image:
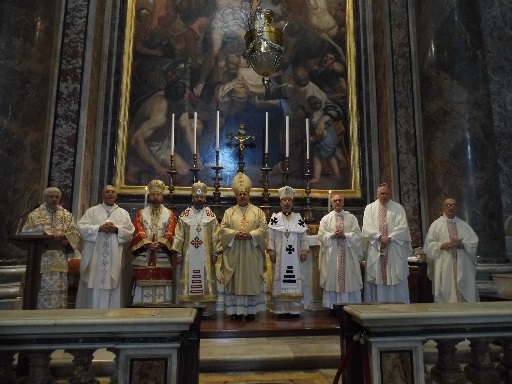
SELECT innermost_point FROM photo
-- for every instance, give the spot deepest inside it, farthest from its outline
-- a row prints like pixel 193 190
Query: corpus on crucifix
pixel 241 138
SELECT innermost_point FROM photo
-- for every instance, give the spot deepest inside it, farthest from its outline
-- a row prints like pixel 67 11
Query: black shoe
pixel 332 313
pixel 293 315
pixel 236 317
pixel 250 317
pixel 282 315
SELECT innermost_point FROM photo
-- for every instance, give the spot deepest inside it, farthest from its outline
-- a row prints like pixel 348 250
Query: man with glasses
pixel 451 246
pixel 340 241
pixel 387 233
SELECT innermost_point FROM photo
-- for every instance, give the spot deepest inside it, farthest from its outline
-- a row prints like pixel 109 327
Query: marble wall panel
pixel 459 144
pixel 497 31
pixel 67 115
pixel 29 34
pixel 404 117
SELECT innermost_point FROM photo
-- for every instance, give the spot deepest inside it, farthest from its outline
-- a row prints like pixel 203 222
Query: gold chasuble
pixel 243 261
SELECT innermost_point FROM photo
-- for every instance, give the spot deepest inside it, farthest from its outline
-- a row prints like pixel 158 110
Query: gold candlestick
pixel 216 207
pixel 194 168
pixel 265 207
pixel 172 175
pixel 308 210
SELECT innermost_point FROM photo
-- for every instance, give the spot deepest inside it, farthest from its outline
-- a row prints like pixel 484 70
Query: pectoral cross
pixel 241 138
pixel 244 222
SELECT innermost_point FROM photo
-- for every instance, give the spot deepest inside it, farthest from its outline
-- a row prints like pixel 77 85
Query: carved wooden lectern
pixel 35 245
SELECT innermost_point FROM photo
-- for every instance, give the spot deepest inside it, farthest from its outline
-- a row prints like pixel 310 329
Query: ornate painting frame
pixel 136 110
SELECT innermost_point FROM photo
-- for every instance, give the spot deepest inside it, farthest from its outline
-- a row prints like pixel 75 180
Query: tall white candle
pixel 146 198
pixel 217 145
pixel 329 202
pixel 266 132
pixel 307 139
pixel 195 133
pixel 172 134
pixel 287 138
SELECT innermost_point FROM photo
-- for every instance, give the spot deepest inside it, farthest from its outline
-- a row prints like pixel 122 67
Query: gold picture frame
pixel 349 183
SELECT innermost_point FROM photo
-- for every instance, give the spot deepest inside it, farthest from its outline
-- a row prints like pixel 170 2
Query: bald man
pixel 451 246
pixel 106 229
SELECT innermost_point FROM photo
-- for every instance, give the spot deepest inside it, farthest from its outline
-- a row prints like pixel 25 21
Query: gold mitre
pixel 241 183
pixel 156 186
pixel 199 189
pixel 286 191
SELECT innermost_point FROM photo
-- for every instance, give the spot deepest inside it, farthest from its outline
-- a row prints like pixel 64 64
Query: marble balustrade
pixel 393 336
pixel 145 341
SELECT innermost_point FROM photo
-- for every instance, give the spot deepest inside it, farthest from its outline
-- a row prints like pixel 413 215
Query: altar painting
pixel 185 57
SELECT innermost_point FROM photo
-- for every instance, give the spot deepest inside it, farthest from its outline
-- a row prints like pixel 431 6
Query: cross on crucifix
pixel 241 138
pixel 290 249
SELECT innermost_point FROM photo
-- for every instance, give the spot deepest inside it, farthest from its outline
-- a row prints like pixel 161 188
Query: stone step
pixel 235 354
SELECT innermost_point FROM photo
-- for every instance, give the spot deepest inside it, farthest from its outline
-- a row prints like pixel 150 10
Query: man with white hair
pixel 197 246
pixel 340 243
pixel 151 246
pixel 244 242
pixel 106 229
pixel 288 247
pixel 56 221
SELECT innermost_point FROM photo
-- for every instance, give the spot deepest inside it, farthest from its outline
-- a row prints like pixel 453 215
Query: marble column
pixel 459 145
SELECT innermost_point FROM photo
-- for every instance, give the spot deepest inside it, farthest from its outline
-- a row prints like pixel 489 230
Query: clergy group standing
pixel 174 258
pixel 106 229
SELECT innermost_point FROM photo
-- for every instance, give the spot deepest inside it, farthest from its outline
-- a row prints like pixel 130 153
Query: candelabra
pixel 216 207
pixel 194 168
pixel 308 210
pixel 265 207
pixel 172 176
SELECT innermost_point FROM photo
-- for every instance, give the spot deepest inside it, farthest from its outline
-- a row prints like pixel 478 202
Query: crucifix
pixel 241 138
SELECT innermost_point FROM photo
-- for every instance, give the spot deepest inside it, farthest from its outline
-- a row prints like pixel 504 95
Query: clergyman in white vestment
pixel 106 229
pixel 386 232
pixel 450 247
pixel 340 255
pixel 288 246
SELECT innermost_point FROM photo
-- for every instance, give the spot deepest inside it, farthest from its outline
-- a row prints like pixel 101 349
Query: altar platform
pixel 311 323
